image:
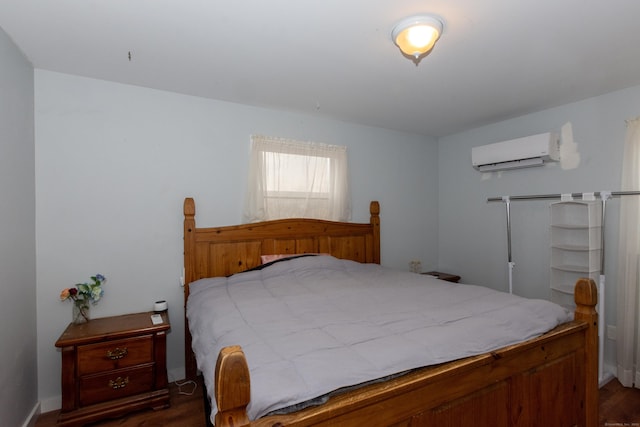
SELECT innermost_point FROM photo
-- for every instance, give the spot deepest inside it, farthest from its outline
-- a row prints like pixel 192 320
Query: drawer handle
pixel 119 383
pixel 118 353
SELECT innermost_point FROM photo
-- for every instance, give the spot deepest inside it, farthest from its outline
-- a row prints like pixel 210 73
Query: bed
pixel 549 380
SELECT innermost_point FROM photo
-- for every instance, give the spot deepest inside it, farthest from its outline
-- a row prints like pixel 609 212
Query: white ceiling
pixel 496 59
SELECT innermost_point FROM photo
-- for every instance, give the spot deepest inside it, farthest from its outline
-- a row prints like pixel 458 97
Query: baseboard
pixel 51 404
pixel 32 418
pixel 607 375
pixel 176 374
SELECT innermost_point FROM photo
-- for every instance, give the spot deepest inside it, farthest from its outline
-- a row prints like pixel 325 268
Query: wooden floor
pixel 619 406
pixel 186 410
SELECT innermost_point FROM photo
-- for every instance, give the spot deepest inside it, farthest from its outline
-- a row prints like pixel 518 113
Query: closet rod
pixel 604 195
pixel 559 196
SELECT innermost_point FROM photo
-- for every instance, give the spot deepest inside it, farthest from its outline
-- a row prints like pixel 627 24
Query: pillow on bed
pixel 270 258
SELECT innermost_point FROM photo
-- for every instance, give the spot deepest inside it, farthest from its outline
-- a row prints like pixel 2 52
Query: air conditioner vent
pixel 517 153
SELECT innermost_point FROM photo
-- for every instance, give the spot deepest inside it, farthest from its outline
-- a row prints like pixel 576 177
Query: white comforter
pixel 311 325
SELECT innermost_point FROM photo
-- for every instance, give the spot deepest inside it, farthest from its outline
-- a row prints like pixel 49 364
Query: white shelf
pixel 576 246
pixel 576 253
pixel 576 214
pixel 588 237
pixel 571 226
pixel 576 268
pixel 585 260
pixel 565 280
pixel 568 247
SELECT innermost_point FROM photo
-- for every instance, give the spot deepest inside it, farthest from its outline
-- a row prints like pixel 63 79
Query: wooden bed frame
pixel 551 380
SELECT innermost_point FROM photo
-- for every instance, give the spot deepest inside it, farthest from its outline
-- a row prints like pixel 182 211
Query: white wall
pixel 18 380
pixel 473 238
pixel 114 163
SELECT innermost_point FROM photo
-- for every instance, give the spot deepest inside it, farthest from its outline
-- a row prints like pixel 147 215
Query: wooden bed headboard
pixel 222 251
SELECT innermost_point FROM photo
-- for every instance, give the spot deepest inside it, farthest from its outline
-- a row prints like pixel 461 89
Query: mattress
pixel 309 326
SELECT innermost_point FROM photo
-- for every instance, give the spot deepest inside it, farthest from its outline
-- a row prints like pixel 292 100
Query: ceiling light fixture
pixel 416 35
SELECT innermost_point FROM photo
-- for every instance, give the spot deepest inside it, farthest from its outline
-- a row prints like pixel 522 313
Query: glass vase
pixel 81 312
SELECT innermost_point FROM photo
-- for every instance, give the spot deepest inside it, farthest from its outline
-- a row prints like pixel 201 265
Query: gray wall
pixel 114 163
pixel 472 232
pixel 18 380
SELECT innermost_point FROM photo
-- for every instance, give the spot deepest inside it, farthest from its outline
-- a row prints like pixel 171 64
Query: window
pixel 294 179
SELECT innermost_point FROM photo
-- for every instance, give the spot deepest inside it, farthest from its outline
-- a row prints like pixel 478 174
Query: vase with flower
pixel 83 296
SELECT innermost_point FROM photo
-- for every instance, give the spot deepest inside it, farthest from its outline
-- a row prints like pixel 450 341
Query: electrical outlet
pixel 611 332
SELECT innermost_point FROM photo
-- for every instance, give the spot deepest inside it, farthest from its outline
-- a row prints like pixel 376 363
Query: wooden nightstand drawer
pixel 115 384
pixel 115 354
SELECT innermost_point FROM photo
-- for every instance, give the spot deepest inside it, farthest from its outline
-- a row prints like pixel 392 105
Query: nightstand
pixel 111 366
pixel 444 276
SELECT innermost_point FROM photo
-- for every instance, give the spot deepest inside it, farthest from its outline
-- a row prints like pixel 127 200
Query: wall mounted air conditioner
pixel 524 152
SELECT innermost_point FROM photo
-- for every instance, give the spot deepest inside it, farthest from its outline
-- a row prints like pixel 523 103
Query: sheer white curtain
pixel 628 290
pixel 295 179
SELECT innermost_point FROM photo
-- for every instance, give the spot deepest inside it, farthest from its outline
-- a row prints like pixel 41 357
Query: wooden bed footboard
pixel 548 381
